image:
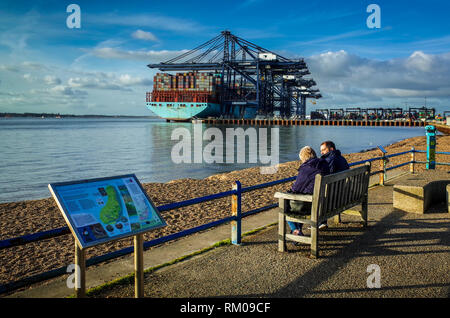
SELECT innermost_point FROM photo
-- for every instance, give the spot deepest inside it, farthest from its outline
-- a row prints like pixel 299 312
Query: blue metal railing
pixel 35 237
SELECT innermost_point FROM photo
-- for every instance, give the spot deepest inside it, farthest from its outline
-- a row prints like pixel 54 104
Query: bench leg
pixel 314 242
pixel 281 232
pixel 282 225
pixel 337 218
pixel 364 207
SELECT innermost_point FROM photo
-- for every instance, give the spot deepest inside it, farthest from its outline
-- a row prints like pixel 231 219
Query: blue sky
pixel 101 67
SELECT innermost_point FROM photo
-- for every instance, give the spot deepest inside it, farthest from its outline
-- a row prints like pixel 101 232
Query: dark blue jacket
pixel 307 173
pixel 336 162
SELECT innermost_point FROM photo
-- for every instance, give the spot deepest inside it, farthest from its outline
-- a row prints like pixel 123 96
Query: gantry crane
pixel 251 76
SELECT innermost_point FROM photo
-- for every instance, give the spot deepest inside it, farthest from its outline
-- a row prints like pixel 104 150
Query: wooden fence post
pixel 413 159
pixel 236 211
pixel 383 167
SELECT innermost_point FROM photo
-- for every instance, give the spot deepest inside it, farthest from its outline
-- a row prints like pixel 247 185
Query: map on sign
pixel 101 210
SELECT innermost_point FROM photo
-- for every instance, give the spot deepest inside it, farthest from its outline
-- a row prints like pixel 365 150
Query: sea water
pixel 35 152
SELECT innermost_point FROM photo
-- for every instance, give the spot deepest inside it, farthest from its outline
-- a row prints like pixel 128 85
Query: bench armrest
pixel 294 197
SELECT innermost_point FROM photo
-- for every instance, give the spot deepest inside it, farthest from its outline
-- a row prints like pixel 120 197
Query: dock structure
pixel 309 122
pixel 253 80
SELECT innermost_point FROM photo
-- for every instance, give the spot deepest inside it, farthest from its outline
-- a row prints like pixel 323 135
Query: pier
pixel 316 122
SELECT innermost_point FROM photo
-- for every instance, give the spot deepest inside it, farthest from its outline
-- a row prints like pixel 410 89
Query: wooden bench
pixel 332 195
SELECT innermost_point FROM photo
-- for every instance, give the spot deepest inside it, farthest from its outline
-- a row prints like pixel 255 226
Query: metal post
pixel 80 272
pixel 138 266
pixel 257 85
pixel 236 211
pixel 431 146
pixel 413 160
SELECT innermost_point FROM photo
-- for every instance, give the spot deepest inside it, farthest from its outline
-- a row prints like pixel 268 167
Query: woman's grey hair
pixel 306 153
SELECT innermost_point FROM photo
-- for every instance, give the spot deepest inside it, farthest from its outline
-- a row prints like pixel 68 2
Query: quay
pixel 315 122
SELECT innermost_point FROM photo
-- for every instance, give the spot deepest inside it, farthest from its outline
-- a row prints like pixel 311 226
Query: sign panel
pixel 382 149
pixel 106 209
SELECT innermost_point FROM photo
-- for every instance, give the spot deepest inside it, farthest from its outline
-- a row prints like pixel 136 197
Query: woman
pixel 304 184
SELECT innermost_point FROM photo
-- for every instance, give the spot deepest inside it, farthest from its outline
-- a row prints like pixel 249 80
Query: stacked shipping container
pixel 186 87
pixel 193 81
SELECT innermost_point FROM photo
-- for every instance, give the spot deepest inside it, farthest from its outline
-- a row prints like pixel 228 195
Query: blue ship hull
pixel 183 111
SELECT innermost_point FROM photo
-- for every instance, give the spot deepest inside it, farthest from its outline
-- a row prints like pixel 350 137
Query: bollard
pixel 236 211
pixel 431 146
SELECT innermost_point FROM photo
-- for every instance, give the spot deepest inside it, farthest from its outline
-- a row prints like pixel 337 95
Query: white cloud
pixel 10 68
pixel 108 81
pixel 28 77
pixel 143 35
pixel 94 83
pixel 127 80
pixel 420 74
pixel 148 56
pixel 66 90
pixel 335 64
pixel 420 61
pixel 52 80
pixel 33 66
pixel 148 20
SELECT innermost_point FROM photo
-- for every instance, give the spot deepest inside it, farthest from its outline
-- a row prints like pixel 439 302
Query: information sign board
pixel 106 209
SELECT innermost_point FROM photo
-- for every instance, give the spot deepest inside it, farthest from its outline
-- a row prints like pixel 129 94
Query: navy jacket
pixel 307 173
pixel 336 162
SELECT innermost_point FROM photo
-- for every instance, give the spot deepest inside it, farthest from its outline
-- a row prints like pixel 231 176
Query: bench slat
pixel 326 193
pixel 341 193
pixel 300 220
pixel 346 191
pixel 300 239
pixel 293 196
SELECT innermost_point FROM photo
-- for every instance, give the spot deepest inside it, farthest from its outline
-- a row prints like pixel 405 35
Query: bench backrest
pixel 340 191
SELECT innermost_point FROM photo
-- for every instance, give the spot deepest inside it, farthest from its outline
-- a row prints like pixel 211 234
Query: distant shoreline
pixel 53 115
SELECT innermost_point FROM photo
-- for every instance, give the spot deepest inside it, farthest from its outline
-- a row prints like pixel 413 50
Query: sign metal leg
pixel 139 266
pixel 80 272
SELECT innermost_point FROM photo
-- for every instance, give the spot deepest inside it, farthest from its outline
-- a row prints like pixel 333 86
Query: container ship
pixel 186 96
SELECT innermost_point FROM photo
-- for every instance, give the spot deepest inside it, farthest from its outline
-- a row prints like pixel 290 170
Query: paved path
pixel 411 250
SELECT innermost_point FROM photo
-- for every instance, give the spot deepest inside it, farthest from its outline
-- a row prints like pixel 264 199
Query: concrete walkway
pixel 411 251
pixel 99 275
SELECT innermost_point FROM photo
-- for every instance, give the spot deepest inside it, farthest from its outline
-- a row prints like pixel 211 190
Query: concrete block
pixel 417 192
pixel 409 198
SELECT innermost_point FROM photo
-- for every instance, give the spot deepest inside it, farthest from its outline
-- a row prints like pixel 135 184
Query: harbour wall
pixel 316 122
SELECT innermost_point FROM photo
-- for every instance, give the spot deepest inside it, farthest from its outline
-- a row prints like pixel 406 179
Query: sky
pixel 100 68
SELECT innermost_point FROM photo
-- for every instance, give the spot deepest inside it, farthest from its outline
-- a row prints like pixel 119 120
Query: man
pixel 336 163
